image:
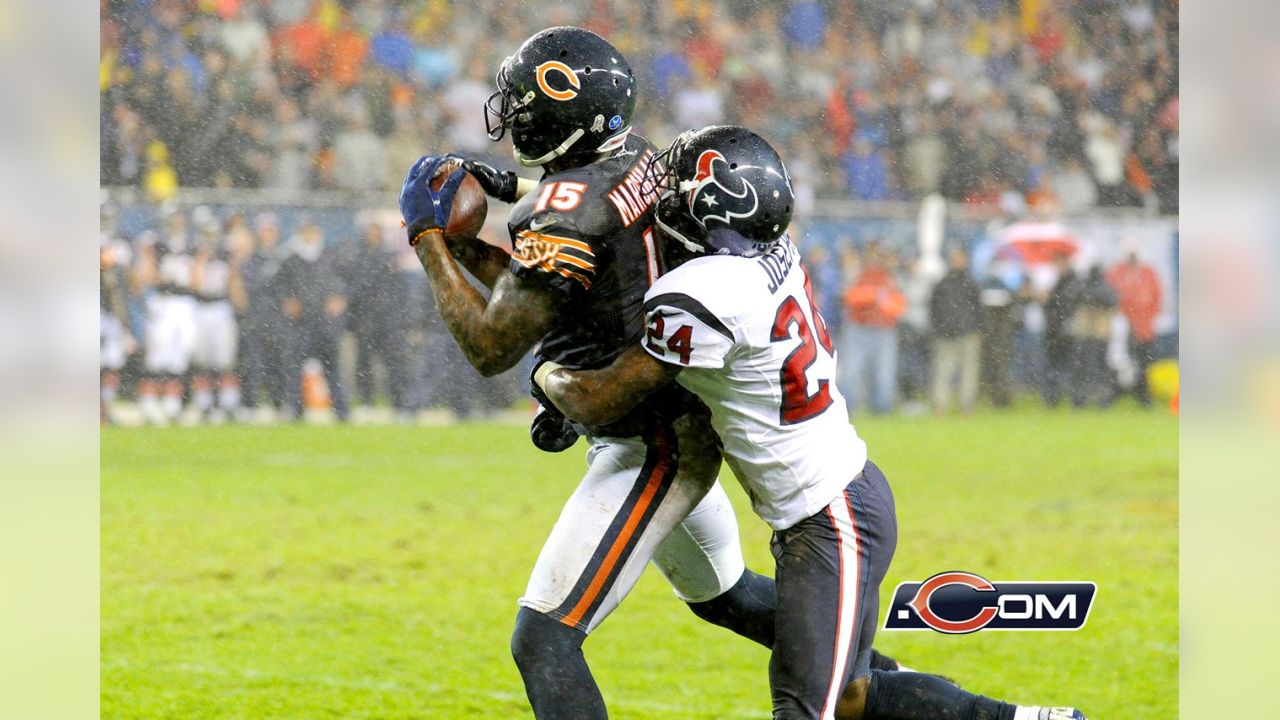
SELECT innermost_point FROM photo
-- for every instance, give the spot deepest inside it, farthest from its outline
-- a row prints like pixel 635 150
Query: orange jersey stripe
pixel 597 583
pixel 573 260
pixel 566 242
pixel 586 283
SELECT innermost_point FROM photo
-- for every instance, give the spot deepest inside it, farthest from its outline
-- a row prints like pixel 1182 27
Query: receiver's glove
pixel 496 183
pixel 425 209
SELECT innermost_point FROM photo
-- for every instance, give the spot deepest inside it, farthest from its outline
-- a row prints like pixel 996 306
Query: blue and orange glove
pixel 421 207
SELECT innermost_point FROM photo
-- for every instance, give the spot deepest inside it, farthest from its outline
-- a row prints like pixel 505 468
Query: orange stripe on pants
pixel 624 537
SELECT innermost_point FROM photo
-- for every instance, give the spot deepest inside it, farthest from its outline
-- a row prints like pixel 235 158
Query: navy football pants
pixel 829 570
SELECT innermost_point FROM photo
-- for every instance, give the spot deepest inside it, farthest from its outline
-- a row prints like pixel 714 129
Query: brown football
pixel 470 206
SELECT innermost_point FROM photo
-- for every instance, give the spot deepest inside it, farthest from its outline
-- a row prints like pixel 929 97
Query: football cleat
pixel 1060 713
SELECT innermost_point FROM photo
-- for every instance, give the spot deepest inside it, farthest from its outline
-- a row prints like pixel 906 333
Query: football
pixel 470 206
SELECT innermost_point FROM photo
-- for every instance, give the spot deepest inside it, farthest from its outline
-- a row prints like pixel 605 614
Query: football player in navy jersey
pixel 584 255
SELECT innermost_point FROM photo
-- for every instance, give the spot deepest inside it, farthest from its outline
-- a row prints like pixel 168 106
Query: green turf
pixel 372 572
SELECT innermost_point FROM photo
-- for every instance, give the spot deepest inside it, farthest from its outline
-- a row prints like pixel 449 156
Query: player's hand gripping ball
pixel 495 183
pixel 439 194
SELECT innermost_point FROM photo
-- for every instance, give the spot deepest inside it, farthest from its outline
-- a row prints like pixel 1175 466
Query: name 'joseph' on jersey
pixel 756 350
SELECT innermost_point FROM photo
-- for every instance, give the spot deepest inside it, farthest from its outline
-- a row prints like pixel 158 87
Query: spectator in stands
pixel 264 363
pixel 245 36
pixel 359 156
pixel 1073 187
pixel 293 143
pixel 955 317
pixel 869 346
pixel 313 298
pixel 161 180
pixel 913 337
pixel 1137 289
pixel 865 171
pixel 827 284
pixel 376 297
pixel 699 103
pixel 1091 328
pixel 1106 152
pixel 1059 345
pixel 992 87
pixel 925 154
pixel 1001 308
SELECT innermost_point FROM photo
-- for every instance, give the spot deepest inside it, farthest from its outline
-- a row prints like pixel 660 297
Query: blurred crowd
pixel 214 316
pixel 210 318
pixel 1002 103
pixel 910 340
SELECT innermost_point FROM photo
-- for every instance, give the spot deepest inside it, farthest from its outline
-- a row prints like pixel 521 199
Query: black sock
pixel 747 608
pixel 917 696
pixel 556 677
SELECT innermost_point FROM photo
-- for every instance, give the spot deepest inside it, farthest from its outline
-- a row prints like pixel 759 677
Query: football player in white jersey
pixel 217 333
pixel 164 274
pixel 738 328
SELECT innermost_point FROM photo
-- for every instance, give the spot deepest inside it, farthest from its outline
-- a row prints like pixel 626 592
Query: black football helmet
pixel 722 189
pixel 565 91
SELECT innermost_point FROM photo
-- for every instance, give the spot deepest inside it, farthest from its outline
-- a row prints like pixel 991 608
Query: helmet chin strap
pixel 689 245
pixel 556 152
pixel 609 145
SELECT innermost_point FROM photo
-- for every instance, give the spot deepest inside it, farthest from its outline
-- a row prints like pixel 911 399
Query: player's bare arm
pixel 598 397
pixel 493 334
pixel 486 262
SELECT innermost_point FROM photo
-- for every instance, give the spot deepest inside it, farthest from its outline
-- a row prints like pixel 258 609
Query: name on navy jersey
pixel 631 199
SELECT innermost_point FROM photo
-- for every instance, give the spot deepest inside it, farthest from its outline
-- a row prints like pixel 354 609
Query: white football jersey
pixel 758 353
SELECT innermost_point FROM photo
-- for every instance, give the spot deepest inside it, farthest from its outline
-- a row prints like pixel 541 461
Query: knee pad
pixel 538 638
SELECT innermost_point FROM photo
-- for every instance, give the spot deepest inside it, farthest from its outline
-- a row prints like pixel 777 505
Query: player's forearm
pixel 598 397
pixel 482 260
pixel 591 397
pixel 462 308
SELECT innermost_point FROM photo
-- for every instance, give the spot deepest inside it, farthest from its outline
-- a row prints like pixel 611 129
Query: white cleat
pixel 1060 713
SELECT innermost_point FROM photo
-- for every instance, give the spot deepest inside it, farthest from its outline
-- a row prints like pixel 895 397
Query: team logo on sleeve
pixel 533 249
pixel 958 603
pixel 717 195
pixel 572 258
pixel 568 93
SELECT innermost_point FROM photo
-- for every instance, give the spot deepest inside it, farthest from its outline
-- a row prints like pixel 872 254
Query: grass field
pixel 372 572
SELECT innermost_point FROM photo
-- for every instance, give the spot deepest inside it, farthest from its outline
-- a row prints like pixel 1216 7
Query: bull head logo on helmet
pixel 718 195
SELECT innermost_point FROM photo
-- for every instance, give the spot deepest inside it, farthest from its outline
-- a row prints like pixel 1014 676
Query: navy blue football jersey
pixel 587 233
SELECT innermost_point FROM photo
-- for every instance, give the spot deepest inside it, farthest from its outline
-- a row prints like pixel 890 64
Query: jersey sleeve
pixel 681 331
pixel 551 251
